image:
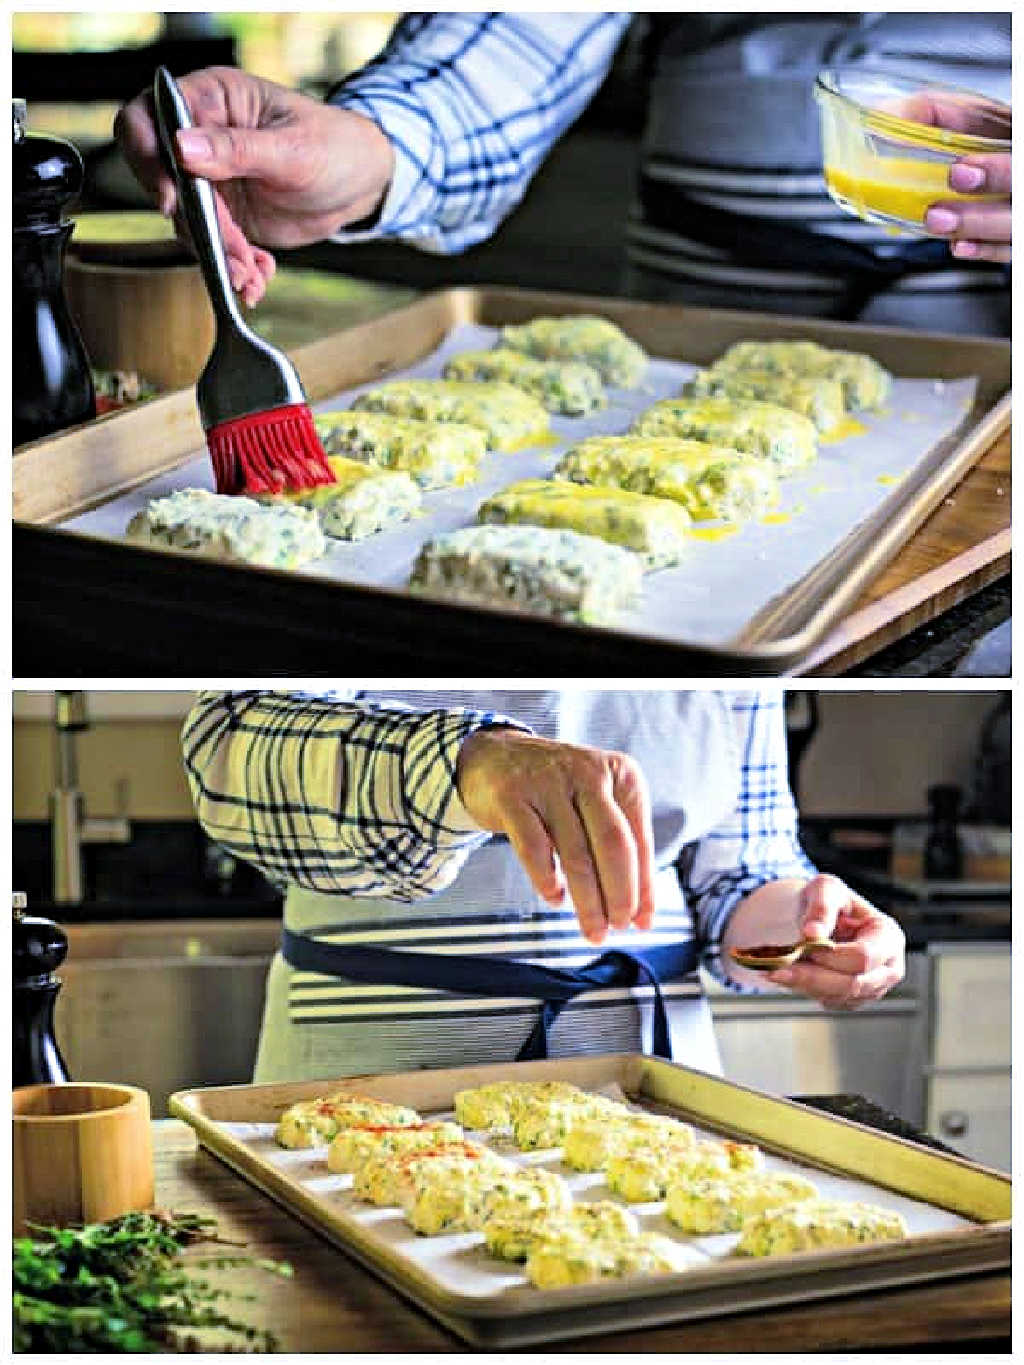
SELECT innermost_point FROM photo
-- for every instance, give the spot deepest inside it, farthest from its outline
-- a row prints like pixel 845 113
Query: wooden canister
pixel 82 1153
pixel 154 318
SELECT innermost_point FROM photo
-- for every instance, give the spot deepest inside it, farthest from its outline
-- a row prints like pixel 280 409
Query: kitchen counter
pixel 333 1304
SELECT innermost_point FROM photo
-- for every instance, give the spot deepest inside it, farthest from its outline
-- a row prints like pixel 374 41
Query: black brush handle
pixel 195 196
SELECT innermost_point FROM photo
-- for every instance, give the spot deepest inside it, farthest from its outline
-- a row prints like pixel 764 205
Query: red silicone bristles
pixel 268 452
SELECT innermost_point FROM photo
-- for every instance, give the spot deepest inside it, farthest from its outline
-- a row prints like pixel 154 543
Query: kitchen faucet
pixel 70 827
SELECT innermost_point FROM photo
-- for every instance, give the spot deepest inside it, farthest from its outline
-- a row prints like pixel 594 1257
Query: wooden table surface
pixel 333 1304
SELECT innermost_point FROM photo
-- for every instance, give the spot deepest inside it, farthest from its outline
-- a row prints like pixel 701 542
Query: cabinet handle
pixel 954 1123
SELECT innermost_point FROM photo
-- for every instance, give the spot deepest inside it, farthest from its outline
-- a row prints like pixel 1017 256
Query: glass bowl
pixel 883 159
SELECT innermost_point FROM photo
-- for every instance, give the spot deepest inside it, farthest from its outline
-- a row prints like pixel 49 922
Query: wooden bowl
pixel 154 319
pixel 82 1153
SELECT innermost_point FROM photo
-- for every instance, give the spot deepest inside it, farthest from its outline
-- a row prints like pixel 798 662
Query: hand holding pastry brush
pixel 258 425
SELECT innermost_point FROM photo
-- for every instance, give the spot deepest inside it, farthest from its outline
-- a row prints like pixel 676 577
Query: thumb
pixel 235 153
pixel 821 902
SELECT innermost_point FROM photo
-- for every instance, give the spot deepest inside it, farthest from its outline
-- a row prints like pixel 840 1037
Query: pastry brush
pixel 258 425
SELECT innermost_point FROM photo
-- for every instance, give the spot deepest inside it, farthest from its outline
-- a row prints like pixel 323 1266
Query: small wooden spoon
pixel 773 956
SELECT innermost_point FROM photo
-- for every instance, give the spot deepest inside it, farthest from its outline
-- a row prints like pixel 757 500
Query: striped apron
pixel 322 1024
pixel 731 209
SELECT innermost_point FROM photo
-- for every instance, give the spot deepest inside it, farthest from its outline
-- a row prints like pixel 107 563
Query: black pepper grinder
pixel 52 381
pixel 40 946
pixel 943 851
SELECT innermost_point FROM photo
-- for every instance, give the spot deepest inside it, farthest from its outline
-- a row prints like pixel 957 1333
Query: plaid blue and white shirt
pixel 351 798
pixel 472 103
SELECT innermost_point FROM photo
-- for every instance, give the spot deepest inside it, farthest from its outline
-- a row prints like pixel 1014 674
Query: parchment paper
pixel 459 1261
pixel 723 582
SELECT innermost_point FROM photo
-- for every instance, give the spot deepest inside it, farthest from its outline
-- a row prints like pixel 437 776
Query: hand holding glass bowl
pixel 920 157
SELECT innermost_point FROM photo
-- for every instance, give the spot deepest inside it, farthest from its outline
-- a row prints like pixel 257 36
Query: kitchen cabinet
pixel 967 1073
pixel 164 1005
pixel 788 1045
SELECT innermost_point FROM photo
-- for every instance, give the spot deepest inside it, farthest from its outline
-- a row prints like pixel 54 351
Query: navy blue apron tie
pixel 499 977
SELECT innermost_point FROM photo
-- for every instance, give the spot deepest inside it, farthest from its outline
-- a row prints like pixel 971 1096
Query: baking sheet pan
pixel 56 480
pixel 727 578
pixel 946 1202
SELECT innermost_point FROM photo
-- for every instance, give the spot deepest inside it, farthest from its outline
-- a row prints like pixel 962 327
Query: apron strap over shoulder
pixel 497 977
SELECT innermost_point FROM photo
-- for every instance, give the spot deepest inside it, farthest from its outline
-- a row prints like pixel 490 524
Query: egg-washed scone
pixel 817 1224
pixel 581 1260
pixel 433 454
pixel 642 1173
pixel 866 383
pixel 590 1143
pixel 510 418
pixel 530 568
pixel 230 527
pixel 492 1105
pixel 654 528
pixel 815 397
pixel 618 360
pixel 353 1146
pixel 570 387
pixel 314 1123
pixel 463 1199
pixel 361 501
pixel 709 481
pixel 785 438
pixel 707 1206
pixel 513 1236
pixel 540 1124
pixel 391 1178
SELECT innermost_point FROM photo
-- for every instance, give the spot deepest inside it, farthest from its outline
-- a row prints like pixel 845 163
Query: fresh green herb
pixel 121 1286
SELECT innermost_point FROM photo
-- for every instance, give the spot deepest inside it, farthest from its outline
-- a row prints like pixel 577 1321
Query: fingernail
pixel 963 177
pixel 941 220
pixel 965 250
pixel 193 143
pixel 783 977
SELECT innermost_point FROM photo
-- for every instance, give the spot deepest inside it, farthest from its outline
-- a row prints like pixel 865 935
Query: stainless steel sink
pixel 166 1004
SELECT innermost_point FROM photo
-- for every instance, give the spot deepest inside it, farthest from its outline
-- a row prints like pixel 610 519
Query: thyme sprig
pixel 122 1286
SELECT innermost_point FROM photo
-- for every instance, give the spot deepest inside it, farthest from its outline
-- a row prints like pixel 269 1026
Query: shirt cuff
pixel 411 204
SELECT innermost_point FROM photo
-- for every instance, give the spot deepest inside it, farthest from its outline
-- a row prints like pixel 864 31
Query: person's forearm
pixel 472 103
pixel 335 796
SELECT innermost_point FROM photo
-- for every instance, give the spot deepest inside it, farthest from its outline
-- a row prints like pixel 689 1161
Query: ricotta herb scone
pixel 786 439
pixel 816 397
pixel 711 482
pixel 707 1206
pixel 642 1173
pixel 581 1260
pixel 493 1105
pixel 539 1124
pixel 570 387
pixel 462 1198
pixel 817 1224
pixel 532 568
pixel 510 418
pixel 618 359
pixel 591 1142
pixel 314 1123
pixel 513 1236
pixel 361 501
pixel 354 1146
pixel 392 1179
pixel 236 528
pixel 865 383
pixel 434 454
pixel 655 528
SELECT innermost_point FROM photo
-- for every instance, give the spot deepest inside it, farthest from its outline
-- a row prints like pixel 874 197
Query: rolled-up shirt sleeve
pixel 332 793
pixel 757 843
pixel 471 104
